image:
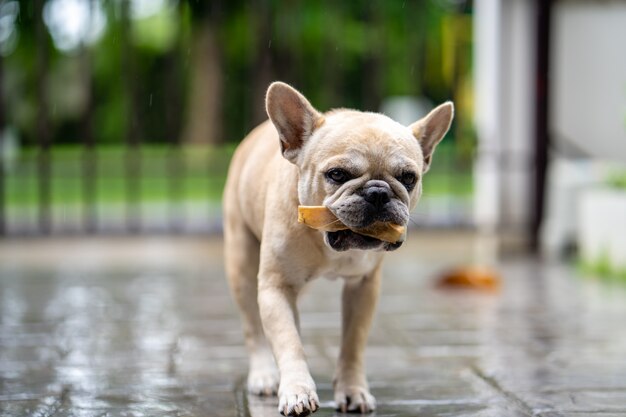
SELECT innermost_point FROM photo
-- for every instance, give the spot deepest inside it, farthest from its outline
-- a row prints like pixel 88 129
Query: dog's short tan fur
pixel 284 163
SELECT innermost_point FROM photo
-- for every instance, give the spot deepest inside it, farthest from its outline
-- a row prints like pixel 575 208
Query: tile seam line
pixel 518 402
pixel 60 401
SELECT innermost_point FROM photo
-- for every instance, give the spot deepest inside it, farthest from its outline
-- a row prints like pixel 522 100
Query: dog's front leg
pixel 277 304
pixel 358 304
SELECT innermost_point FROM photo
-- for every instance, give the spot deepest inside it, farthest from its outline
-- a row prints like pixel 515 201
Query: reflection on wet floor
pixel 254 406
pixel 159 336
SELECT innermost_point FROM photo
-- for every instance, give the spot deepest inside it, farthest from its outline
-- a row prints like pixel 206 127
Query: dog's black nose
pixel 377 195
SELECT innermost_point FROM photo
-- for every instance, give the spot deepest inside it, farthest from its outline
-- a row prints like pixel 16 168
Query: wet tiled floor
pixel 131 327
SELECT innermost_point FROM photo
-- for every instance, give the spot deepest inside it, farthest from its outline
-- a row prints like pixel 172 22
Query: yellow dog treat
pixel 321 218
pixel 387 232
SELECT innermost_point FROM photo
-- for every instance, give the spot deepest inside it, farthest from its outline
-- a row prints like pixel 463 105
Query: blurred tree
pixel 134 122
pixel 44 133
pixel 261 68
pixel 2 149
pixel 203 119
pixel 196 71
pixel 90 160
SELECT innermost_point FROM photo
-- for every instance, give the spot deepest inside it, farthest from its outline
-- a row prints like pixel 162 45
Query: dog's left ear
pixel 431 129
pixel 293 116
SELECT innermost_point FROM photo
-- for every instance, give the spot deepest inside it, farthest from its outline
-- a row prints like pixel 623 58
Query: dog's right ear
pixel 293 116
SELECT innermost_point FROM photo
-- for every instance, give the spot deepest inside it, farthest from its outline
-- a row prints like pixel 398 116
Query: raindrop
pixel 269 45
pixel 150 99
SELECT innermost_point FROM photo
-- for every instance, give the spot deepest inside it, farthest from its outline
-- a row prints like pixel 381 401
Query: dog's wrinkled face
pixel 364 167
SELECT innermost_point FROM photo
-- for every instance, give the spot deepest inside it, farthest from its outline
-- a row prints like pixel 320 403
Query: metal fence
pixel 142 189
pixel 164 189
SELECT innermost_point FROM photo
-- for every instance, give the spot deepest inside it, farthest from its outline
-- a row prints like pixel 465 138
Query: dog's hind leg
pixel 242 266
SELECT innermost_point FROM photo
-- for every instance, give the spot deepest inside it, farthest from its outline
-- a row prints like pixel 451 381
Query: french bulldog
pixel 365 168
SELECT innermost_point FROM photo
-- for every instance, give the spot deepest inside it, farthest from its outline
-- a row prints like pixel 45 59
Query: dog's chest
pixel 351 264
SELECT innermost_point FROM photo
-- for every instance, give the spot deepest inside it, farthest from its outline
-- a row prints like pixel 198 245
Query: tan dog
pixel 364 167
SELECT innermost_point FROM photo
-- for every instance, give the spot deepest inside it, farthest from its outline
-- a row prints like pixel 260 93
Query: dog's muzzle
pixel 378 204
pixel 374 202
pixel 377 194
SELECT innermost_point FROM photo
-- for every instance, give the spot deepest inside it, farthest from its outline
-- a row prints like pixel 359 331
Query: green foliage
pixel 157 33
pixel 617 179
pixel 349 54
pixel 602 268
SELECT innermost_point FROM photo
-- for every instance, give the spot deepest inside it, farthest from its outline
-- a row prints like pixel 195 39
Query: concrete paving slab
pixel 89 329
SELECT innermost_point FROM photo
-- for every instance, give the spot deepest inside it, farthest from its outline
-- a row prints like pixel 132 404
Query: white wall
pixel 588 77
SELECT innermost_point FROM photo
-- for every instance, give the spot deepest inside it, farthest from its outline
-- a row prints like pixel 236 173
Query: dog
pixel 365 168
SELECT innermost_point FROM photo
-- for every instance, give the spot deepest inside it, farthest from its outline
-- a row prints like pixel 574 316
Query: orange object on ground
pixel 473 277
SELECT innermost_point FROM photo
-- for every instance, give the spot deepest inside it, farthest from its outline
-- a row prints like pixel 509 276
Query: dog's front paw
pixel 297 399
pixel 354 399
pixel 263 382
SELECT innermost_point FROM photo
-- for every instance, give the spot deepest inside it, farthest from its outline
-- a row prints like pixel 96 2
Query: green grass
pixel 164 174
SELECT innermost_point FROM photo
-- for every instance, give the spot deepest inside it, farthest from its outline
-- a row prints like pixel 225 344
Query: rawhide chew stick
pixel 321 218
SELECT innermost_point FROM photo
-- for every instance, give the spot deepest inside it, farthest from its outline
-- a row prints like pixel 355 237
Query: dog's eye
pixel 338 175
pixel 408 179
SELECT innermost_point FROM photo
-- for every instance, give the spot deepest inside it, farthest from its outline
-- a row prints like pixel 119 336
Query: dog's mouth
pixel 344 240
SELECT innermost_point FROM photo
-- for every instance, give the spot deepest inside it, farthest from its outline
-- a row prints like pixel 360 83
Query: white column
pixel 488 104
pixel 504 32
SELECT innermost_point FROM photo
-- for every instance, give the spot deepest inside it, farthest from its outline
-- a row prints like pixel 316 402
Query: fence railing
pixel 164 189
pixel 113 189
